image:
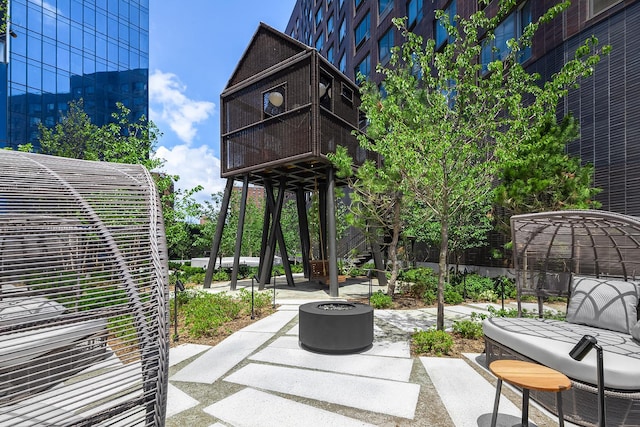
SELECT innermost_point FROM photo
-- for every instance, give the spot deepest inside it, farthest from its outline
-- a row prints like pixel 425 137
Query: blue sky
pixel 194 46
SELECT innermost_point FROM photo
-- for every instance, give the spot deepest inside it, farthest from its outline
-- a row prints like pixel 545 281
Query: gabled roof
pixel 267 48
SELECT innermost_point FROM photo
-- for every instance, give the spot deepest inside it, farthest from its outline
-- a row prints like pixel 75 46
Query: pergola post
pixel 217 238
pixel 305 242
pixel 239 232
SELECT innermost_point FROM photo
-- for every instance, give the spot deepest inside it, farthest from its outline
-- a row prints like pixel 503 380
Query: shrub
pixel 205 313
pixel 221 276
pixel 261 300
pixel 429 297
pixel 432 342
pixel 468 329
pixel 451 296
pixel 381 300
pixel 473 285
pixel 487 295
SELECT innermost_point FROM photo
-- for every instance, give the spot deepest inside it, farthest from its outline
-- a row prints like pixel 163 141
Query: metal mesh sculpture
pixel 83 293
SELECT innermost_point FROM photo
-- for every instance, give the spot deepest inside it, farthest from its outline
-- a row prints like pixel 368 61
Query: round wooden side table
pixel 528 376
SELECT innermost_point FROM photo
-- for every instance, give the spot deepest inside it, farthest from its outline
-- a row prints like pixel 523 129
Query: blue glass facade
pixel 63 50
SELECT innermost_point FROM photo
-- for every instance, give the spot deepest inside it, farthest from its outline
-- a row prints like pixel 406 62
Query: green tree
pixel 73 136
pixel 181 215
pixel 377 204
pixel 541 176
pixel 444 130
pixel 126 141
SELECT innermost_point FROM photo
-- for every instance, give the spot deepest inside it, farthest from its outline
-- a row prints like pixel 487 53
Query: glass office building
pixel 56 51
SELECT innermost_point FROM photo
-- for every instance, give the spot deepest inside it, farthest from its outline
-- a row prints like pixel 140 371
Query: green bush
pixel 451 296
pixel 473 285
pixel 261 300
pixel 381 300
pixel 487 295
pixel 205 313
pixel 429 297
pixel 419 283
pixel 468 329
pixel 221 276
pixel 432 342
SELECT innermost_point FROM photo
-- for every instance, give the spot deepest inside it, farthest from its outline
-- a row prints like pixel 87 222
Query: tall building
pixel 55 51
pixel 355 35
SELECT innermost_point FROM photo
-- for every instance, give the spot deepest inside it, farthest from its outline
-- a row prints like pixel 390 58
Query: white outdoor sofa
pixel 593 258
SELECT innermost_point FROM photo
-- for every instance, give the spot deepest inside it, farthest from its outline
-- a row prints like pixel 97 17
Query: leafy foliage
pixel 443 132
pixel 467 328
pixel 542 176
pixel 205 313
pixel 381 300
pixel 436 342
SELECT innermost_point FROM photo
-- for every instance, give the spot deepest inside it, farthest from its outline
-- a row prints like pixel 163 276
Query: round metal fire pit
pixel 335 327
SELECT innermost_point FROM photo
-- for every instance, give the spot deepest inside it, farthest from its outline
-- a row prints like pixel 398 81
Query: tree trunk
pixel 442 265
pixel 393 248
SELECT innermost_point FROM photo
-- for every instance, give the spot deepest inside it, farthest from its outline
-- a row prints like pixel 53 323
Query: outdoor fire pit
pixel 335 327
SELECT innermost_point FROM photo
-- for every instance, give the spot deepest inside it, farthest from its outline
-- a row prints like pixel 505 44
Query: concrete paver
pixel 260 376
pixel 370 394
pixel 233 410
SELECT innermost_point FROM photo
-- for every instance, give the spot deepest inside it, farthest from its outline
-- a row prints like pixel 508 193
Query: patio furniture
pixel 83 293
pixel 595 257
pixel 528 376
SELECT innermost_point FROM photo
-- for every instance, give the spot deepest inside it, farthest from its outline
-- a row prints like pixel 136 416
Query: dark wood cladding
pixel 291 139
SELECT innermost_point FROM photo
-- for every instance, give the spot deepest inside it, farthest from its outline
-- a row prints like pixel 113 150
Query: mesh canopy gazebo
pixel 83 293
pixel 550 246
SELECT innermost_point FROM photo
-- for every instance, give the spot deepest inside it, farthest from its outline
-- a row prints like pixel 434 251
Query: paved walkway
pixel 260 376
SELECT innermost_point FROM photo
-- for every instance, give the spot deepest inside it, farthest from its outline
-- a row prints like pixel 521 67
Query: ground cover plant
pixel 208 318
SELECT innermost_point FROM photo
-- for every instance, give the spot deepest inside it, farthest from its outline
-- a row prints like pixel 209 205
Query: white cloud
pixel 195 166
pixel 171 105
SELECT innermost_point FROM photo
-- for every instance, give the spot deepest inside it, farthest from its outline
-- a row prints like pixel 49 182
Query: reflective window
pixel 598 6
pixel 76 36
pixel 320 42
pixel 343 30
pixel 343 64
pixel 414 12
pixel 49 53
pixel 362 31
pixel 34 20
pixel 64 31
pixel 58 53
pixel 363 69
pixel 89 18
pixel 357 3
pixel 441 32
pixel 49 80
pixel 34 47
pixel 34 76
pixel 384 46
pixel 63 58
pixel 49 24
pixel 76 11
pixel 510 28
pixel 384 6
pixel 318 17
pixel 330 25
pixel 64 8
pixel 330 54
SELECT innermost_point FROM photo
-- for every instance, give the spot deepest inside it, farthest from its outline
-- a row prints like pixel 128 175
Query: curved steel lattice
pixel 83 293
pixel 550 246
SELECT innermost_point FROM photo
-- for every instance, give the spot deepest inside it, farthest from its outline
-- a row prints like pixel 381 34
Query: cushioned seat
pixel 549 341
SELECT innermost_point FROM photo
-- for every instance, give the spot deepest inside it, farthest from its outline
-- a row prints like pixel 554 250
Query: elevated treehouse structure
pixel 283 110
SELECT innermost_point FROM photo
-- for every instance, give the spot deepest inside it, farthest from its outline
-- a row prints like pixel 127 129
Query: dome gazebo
pixel 550 246
pixel 83 293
